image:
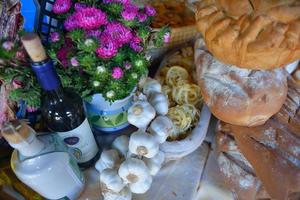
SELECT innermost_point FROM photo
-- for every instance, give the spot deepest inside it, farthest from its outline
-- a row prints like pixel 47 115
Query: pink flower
pixel 129 12
pixel 62 55
pixel 79 6
pixel 93 33
pixel 167 37
pixel 20 55
pixel 74 62
pixel 128 66
pixel 61 6
pixel 17 84
pixel 71 23
pixel 31 109
pixel 107 50
pixel 135 44
pixel 117 73
pixel 91 18
pixel 117 32
pixel 8 45
pixel 136 47
pixel 150 11
pixel 116 1
pixel 142 17
pixel 54 37
pixel 137 39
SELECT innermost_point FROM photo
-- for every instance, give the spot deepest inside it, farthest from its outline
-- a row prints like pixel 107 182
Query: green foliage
pixel 87 46
pixel 159 36
pixel 30 91
pixel 76 35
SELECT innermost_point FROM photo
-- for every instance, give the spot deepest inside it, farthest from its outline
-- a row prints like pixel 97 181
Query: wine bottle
pixel 43 163
pixel 62 109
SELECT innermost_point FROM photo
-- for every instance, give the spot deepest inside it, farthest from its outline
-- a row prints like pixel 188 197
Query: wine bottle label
pixel 46 75
pixel 81 141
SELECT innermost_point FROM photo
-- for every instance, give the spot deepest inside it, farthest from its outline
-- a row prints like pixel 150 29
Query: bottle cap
pixel 34 47
pixel 16 131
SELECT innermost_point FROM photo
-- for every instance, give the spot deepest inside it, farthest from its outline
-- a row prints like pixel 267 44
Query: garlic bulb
pixel 151 85
pixel 154 164
pixel 121 144
pixel 141 114
pixel 143 144
pixel 142 186
pixel 111 181
pixel 161 127
pixel 133 170
pixel 109 159
pixel 160 102
pixel 125 194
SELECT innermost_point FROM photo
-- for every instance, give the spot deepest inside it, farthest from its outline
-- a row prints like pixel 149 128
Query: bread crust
pixel 240 96
pixel 253 34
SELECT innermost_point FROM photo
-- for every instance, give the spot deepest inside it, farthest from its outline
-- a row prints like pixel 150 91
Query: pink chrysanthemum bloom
pixel 17 84
pixel 117 32
pixel 74 62
pixel 136 47
pixel 62 56
pixel 79 6
pixel 54 37
pixel 117 1
pixel 31 109
pixel 135 44
pixel 128 66
pixel 129 12
pixel 137 39
pixel 20 55
pixel 142 17
pixel 8 45
pixel 167 37
pixel 61 6
pixel 71 23
pixel 117 73
pixel 93 33
pixel 150 11
pixel 108 49
pixel 91 18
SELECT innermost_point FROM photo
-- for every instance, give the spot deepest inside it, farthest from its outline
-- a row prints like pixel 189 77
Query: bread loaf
pixel 240 96
pixel 253 34
pixel 269 155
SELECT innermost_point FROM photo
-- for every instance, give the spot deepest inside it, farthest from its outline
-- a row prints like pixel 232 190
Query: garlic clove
pixel 121 144
pixel 160 102
pixel 161 127
pixel 110 181
pixel 133 170
pixel 125 194
pixel 140 114
pixel 142 186
pixel 109 159
pixel 150 86
pixel 143 144
pixel 154 164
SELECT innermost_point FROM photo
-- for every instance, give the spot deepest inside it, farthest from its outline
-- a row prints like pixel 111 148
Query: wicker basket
pixel 179 35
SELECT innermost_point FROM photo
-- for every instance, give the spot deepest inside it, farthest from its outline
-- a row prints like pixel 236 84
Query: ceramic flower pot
pixel 106 116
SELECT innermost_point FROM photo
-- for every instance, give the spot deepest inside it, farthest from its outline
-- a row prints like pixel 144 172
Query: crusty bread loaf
pixel 240 96
pixel 253 34
pixel 271 151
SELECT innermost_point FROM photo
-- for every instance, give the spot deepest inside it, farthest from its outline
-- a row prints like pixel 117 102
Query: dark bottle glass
pixel 62 109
